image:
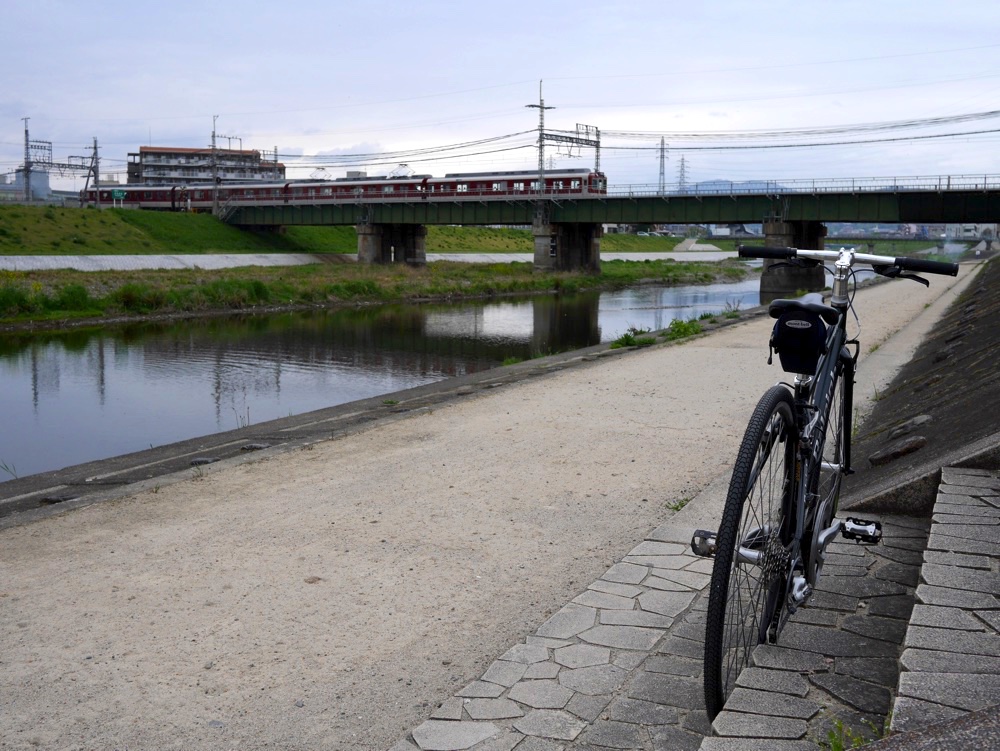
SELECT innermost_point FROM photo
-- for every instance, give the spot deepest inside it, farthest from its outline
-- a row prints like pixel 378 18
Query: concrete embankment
pixel 334 595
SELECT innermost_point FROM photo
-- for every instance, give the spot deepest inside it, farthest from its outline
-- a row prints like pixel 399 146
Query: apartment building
pixel 166 165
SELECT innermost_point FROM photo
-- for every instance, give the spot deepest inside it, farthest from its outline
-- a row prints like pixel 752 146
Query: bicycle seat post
pixel 841 275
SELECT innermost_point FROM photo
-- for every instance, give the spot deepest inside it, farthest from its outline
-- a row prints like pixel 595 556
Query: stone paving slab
pixel 951 660
pixel 620 667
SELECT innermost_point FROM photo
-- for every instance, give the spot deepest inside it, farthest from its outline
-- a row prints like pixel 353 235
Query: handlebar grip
pixel 747 251
pixel 929 267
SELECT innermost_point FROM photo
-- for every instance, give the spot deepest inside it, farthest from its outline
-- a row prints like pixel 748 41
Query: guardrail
pixel 937 183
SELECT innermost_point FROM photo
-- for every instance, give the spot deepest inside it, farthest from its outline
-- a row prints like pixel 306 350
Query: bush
pixel 138 298
pixel 72 297
pixel 13 300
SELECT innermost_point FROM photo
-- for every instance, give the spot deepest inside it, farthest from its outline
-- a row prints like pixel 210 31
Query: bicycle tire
pixel 745 598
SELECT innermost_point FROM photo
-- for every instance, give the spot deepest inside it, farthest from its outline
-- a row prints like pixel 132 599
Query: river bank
pixel 67 297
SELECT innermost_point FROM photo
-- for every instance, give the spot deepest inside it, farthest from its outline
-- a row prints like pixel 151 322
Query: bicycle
pixel 780 510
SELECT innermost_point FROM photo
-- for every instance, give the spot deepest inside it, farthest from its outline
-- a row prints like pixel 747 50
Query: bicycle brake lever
pixel 894 272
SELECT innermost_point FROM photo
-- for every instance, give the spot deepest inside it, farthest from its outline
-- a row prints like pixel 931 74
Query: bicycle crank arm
pixel 703 543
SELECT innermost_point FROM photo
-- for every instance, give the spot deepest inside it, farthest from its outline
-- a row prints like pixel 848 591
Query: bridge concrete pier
pixel 392 243
pixel 787 280
pixel 567 246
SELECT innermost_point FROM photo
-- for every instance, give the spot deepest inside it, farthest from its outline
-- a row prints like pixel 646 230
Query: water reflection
pixel 89 394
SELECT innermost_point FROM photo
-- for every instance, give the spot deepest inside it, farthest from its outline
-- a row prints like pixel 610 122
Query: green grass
pixel 48 295
pixel 447 239
pixel 34 230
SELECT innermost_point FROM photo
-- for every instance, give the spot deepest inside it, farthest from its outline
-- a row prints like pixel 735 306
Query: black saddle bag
pixel 799 338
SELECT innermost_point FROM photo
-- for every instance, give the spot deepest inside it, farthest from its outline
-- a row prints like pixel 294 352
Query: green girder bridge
pixel 567 230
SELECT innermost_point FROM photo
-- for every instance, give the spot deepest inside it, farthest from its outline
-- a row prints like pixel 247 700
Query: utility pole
pixel 215 172
pixel 541 137
pixel 27 163
pixel 663 164
pixel 97 176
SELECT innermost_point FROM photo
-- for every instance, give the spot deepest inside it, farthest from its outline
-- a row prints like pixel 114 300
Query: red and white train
pixel 468 186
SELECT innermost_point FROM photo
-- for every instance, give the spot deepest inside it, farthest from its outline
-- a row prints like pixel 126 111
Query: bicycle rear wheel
pixel 750 575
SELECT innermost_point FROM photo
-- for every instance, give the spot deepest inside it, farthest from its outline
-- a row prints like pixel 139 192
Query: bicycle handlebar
pixel 746 251
pixel 930 267
pixel 900 262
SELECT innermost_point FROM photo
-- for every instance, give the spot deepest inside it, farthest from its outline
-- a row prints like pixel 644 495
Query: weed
pixel 710 317
pixel 390 402
pixel 631 338
pixel 242 421
pixel 511 360
pixel 10 469
pixel 678 504
pixel 679 329
pixel 842 737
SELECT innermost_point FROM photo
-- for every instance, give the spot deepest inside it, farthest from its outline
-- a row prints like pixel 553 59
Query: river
pixel 77 396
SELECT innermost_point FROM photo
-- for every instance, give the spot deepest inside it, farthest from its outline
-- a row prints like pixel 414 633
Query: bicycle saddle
pixel 813 302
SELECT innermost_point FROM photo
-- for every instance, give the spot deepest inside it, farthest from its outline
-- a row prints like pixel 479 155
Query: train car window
pixel 388 188
pixel 248 192
pixel 147 194
pixel 199 194
pixel 574 184
pixel 518 187
pixel 534 184
pixel 557 184
pixel 327 191
pixel 500 187
pixel 462 188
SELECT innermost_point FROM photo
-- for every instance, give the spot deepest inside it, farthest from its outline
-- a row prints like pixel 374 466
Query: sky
pixel 443 86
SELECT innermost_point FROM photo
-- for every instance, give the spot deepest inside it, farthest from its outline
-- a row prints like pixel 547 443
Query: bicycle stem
pixel 841 276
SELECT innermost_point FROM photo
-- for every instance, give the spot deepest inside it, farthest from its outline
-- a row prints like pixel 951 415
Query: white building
pixel 167 165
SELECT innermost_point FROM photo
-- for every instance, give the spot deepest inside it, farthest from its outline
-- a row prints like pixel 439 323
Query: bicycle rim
pixel 750 575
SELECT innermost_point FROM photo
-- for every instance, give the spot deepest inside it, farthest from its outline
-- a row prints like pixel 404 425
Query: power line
pixel 808 131
pixel 746 147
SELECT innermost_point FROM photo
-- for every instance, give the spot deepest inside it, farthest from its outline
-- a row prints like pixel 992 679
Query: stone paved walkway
pixel 952 647
pixel 620 667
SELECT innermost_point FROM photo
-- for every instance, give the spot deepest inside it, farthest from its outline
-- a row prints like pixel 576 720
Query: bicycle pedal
pixel 862 530
pixel 703 543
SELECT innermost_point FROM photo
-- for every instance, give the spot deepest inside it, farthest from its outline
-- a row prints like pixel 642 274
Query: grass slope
pixel 35 230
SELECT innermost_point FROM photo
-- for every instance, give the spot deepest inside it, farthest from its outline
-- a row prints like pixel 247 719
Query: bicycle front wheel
pixel 750 575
